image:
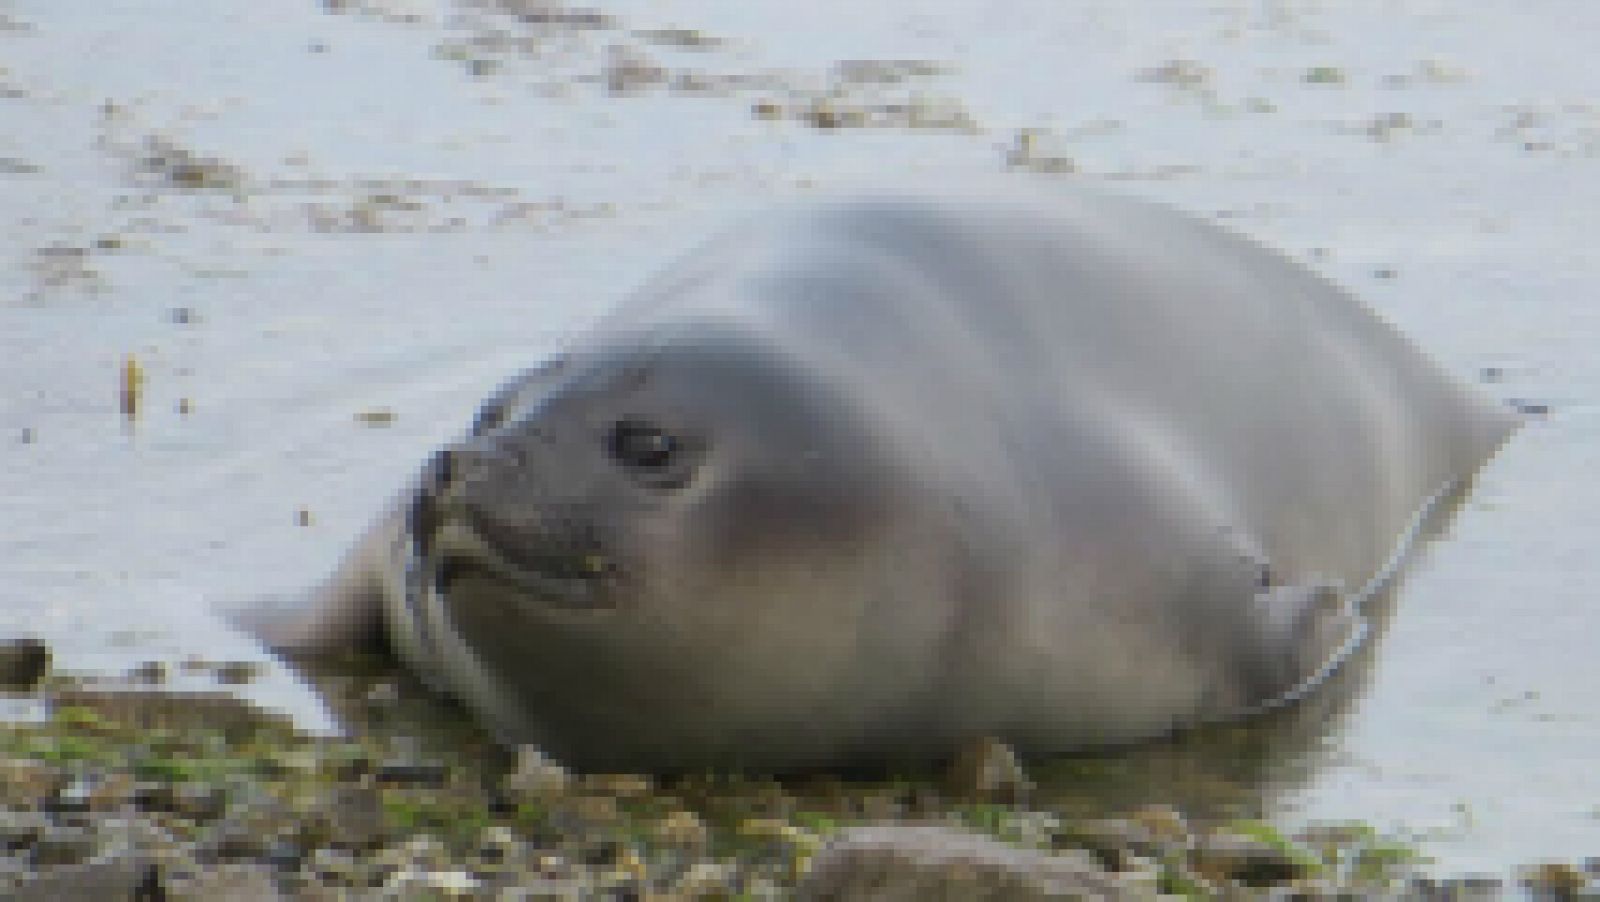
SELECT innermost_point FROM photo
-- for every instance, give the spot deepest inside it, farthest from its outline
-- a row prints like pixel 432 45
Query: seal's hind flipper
pixel 1306 631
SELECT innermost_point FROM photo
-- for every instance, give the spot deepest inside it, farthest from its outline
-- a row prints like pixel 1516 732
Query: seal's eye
pixel 642 446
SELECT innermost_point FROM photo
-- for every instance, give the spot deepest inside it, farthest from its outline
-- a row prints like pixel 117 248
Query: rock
pixel 19 829
pixel 59 845
pixel 895 862
pixel 681 829
pixel 127 876
pixel 1482 888
pixel 536 776
pixel 412 773
pixel 499 844
pixel 23 663
pixel 234 882
pixel 989 770
pixel 1555 880
pixel 622 786
pixel 356 817
pixel 73 796
pixel 26 783
pixel 1227 856
pixel 199 801
pixel 1115 842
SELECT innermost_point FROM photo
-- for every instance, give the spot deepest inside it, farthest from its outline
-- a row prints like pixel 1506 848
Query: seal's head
pixel 666 550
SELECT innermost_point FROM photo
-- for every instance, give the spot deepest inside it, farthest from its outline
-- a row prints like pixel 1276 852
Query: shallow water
pixel 325 231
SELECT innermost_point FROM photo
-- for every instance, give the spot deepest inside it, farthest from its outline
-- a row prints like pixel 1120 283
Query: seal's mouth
pixel 570 579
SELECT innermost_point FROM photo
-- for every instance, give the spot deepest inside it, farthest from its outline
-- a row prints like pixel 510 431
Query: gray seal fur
pixel 862 479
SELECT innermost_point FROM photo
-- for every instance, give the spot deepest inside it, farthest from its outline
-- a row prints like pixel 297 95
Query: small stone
pixel 1225 855
pixel 232 840
pixel 27 781
pixel 236 673
pixel 591 812
pixel 75 796
pixel 712 879
pixel 123 876
pixel 621 786
pixel 23 663
pixel 780 833
pixel 451 884
pixel 1162 823
pixel 499 844
pixel 199 801
pixel 377 416
pixel 382 696
pixel 536 776
pixel 411 773
pixel 1114 842
pixel 150 672
pixel 334 866
pixel 84 794
pixel 1557 880
pixel 683 829
pixel 988 769
pixel 1480 888
pixel 356 816
pixel 1529 408
pixel 237 882
pixel 19 829
pixel 59 845
pixel 424 852
pixel 152 796
pixel 931 862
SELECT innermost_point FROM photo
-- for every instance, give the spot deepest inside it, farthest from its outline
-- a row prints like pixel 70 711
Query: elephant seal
pixel 864 478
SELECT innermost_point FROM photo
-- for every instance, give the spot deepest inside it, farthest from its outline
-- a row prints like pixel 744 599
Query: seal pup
pixel 861 479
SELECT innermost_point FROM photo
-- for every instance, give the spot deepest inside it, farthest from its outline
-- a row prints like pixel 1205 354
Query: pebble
pixel 115 877
pixel 355 817
pixel 1557 880
pixel 989 770
pixel 20 829
pixel 23 663
pixel 1223 856
pixel 922 862
pixel 411 773
pixel 682 829
pixel 58 845
pixel 234 882
pixel 536 776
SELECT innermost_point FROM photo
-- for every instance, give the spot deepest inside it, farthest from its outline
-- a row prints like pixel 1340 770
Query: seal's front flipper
pixel 343 615
pixel 1305 632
